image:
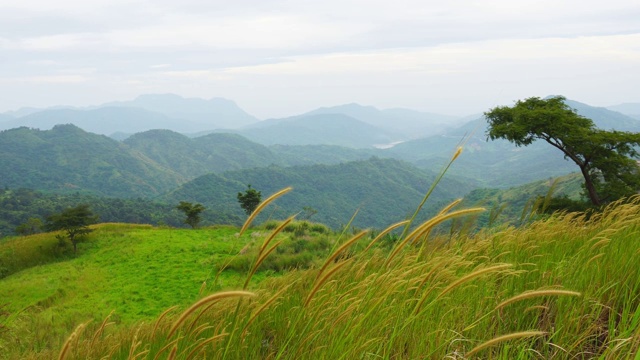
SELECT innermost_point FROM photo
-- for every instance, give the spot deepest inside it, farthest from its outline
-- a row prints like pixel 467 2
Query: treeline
pixel 24 206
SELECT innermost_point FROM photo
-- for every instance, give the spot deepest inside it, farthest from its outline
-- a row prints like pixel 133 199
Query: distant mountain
pixel 383 190
pixel 626 108
pixel 5 118
pixel 630 109
pixel 66 158
pixel 410 123
pixel 326 129
pixel 215 113
pixel 146 112
pixel 103 121
pixel 215 152
pixel 605 118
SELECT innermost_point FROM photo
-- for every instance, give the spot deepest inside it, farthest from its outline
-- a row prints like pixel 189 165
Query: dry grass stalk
pixel 261 206
pixel 275 232
pixel 499 339
pixel 322 280
pixel 449 207
pixel 192 353
pixel 385 232
pixel 164 348
pixel 263 308
pixel 536 293
pixel 602 241
pixel 139 355
pixel 100 330
pixel 340 249
pixel 195 320
pixel 67 344
pixel 203 301
pixel 261 258
pixel 426 226
pixel 596 257
pixel 172 354
pixel 164 313
pixel 134 344
pixel 472 276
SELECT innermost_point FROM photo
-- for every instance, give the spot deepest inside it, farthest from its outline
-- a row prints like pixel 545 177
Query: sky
pixel 277 58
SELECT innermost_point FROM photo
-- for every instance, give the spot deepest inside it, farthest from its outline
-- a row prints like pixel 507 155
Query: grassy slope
pixel 135 270
pixel 433 301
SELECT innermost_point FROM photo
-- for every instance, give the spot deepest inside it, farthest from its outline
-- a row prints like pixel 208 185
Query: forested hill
pixel 66 158
pixel 216 152
pixel 383 190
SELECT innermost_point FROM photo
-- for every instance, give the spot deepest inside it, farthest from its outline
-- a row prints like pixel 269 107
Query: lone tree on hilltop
pixel 250 199
pixel 192 211
pixel 74 221
pixel 605 158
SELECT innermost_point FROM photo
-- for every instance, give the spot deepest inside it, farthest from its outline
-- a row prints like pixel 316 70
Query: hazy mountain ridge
pixel 318 129
pixel 146 112
pixel 215 113
pixel 152 162
pixel 409 123
pixel 100 121
pixel 629 109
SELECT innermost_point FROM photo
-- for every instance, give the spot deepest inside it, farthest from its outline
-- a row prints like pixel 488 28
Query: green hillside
pixel 67 158
pixel 192 157
pixel 382 190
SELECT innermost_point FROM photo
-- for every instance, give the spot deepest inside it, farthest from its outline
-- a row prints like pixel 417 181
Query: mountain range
pixel 326 151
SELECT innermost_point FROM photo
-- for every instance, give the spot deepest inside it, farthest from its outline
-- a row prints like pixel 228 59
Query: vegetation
pixel 68 159
pixel 334 191
pixel 192 211
pixel 564 287
pixel 249 200
pixel 604 157
pixel 561 286
pixel 74 221
pixel 21 209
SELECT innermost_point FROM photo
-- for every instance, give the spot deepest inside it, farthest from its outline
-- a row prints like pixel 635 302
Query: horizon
pixel 275 58
pixel 108 104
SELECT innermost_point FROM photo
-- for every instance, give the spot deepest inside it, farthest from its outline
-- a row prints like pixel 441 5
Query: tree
pixel 32 226
pixel 192 211
pixel 604 157
pixel 249 200
pixel 74 221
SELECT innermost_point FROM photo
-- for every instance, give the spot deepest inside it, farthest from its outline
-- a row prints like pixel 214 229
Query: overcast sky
pixel 281 57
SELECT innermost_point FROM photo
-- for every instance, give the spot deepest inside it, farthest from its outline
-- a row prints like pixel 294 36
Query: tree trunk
pixel 591 189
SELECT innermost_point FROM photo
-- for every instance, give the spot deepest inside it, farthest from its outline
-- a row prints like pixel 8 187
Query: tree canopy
pixel 192 211
pixel 605 158
pixel 74 221
pixel 250 199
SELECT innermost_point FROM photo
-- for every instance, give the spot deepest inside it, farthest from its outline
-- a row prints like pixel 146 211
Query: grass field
pixel 562 288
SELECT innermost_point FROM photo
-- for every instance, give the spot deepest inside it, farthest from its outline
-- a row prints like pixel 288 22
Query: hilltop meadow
pixel 562 287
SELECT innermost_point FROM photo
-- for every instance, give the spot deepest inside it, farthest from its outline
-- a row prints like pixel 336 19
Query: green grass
pixel 135 271
pixel 438 298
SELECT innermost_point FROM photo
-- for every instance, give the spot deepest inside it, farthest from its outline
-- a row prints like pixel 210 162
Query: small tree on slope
pixel 74 221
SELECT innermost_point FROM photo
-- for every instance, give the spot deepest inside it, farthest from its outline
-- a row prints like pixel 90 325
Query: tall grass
pixel 563 288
